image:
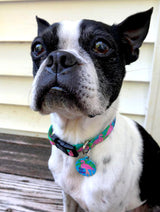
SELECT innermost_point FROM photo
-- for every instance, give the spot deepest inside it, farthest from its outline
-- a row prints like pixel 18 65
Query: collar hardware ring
pixel 85 151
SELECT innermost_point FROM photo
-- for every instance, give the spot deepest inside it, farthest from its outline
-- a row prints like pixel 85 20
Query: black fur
pixel 49 39
pixel 123 40
pixel 150 178
pixel 133 31
pixel 42 25
pixel 110 81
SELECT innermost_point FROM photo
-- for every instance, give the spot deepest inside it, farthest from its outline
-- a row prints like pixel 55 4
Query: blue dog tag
pixel 85 166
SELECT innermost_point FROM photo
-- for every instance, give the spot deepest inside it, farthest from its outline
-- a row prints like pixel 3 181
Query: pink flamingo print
pixel 110 130
pixel 71 153
pixel 86 167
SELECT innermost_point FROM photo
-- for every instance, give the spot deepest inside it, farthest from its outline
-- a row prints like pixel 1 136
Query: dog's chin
pixel 61 104
pixel 58 100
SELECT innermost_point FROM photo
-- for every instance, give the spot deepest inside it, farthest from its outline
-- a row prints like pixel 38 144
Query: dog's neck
pixel 79 129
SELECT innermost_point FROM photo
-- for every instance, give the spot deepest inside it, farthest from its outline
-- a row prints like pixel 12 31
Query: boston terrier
pixel 103 161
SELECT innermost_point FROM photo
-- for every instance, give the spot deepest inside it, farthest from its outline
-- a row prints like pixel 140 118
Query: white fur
pixel 34 86
pixel 77 130
pixel 68 34
pixel 113 190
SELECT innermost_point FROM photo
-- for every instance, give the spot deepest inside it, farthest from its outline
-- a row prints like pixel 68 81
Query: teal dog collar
pixel 74 150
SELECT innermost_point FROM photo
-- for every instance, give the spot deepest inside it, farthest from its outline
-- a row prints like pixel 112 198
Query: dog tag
pixel 85 166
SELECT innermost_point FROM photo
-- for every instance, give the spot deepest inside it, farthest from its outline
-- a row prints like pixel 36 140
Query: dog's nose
pixel 61 61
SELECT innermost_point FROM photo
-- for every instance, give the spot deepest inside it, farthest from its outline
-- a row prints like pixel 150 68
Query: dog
pixel 103 161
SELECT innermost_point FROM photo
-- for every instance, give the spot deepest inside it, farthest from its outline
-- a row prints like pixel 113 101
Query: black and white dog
pixel 78 70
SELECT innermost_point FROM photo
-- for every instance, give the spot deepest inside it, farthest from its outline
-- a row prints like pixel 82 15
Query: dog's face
pixel 79 67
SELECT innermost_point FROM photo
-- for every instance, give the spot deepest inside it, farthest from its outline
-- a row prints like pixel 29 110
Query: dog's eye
pixel 38 49
pixel 101 47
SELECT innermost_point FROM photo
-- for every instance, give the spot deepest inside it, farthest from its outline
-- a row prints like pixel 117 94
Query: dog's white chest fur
pixel 114 187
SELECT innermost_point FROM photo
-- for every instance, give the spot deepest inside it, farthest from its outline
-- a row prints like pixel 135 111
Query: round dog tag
pixel 85 166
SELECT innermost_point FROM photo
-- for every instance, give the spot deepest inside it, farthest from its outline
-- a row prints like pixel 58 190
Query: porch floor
pixel 26 185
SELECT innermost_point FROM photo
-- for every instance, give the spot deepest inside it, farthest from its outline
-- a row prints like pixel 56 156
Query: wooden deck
pixel 26 185
pixel 25 194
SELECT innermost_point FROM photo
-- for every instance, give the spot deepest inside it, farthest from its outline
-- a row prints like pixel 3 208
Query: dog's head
pixel 79 67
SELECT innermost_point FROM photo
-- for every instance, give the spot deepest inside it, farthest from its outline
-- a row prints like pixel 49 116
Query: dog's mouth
pixel 54 97
pixel 57 88
pixel 70 96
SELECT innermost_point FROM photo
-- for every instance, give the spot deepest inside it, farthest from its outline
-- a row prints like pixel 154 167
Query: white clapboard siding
pixel 141 70
pixel 18 87
pixel 21 16
pixel 17 91
pixel 15 60
pixel 153 115
pixel 134 98
pixel 17 30
pixel 22 120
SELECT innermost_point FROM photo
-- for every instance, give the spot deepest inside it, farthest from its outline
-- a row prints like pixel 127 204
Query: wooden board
pixel 25 156
pixel 24 194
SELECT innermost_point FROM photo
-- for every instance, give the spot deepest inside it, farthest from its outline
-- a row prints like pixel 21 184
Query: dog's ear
pixel 133 31
pixel 42 25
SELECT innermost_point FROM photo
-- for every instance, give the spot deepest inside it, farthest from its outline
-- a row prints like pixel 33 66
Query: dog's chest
pixel 96 193
pixel 114 163
pixel 65 174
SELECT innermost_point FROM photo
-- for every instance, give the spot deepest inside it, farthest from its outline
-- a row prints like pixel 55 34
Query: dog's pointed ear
pixel 42 25
pixel 133 31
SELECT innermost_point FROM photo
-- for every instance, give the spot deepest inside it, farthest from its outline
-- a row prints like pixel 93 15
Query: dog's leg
pixel 70 205
pixel 144 208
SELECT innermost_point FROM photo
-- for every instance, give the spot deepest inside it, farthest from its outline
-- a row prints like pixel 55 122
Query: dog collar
pixel 74 150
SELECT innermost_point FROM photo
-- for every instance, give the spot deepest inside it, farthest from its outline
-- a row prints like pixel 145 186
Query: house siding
pixel 17 30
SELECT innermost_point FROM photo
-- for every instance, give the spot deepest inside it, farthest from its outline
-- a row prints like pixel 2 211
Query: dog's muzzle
pixel 67 82
pixel 55 79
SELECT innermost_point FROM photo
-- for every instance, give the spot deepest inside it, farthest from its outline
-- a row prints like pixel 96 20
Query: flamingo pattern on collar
pixel 74 150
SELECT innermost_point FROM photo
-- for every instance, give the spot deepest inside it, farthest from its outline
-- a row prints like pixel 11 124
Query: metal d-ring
pixel 85 151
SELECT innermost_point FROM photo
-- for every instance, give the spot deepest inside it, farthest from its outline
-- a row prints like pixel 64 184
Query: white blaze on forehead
pixel 68 33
